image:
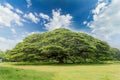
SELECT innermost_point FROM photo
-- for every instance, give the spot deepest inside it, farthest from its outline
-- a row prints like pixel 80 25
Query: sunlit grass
pixel 61 72
pixel 21 74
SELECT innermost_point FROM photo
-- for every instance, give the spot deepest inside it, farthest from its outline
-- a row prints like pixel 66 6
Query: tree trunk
pixel 61 60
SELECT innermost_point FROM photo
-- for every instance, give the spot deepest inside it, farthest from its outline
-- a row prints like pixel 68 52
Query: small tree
pixel 1 56
pixel 116 53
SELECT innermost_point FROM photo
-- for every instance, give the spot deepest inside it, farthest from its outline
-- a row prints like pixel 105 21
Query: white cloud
pixel 44 16
pixel 7 43
pixel 19 11
pixel 8 17
pixel 84 22
pixel 106 22
pixel 9 6
pixel 28 3
pixel 13 31
pixel 32 17
pixel 101 6
pixel 2 39
pixel 58 20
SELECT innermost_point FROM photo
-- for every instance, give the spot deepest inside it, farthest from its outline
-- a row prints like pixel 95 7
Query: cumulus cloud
pixel 58 20
pixel 7 43
pixel 44 16
pixel 11 17
pixel 32 17
pixel 9 6
pixel 28 3
pixel 13 31
pixel 105 24
pixel 19 11
pixel 84 22
pixel 2 39
pixel 8 17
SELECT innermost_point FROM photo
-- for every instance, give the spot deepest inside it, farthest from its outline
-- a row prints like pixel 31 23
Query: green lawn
pixel 60 72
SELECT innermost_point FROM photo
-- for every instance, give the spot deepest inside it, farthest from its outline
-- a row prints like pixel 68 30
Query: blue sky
pixel 19 18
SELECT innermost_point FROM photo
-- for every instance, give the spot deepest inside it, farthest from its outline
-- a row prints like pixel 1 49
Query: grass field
pixel 60 72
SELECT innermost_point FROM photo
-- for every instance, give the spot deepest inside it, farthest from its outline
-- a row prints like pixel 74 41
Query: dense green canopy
pixel 60 45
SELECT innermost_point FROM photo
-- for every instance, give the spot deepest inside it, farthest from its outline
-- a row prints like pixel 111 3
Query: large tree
pixel 61 45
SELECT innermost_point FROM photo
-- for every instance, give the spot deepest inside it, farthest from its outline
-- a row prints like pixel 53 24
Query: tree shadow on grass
pixel 57 64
